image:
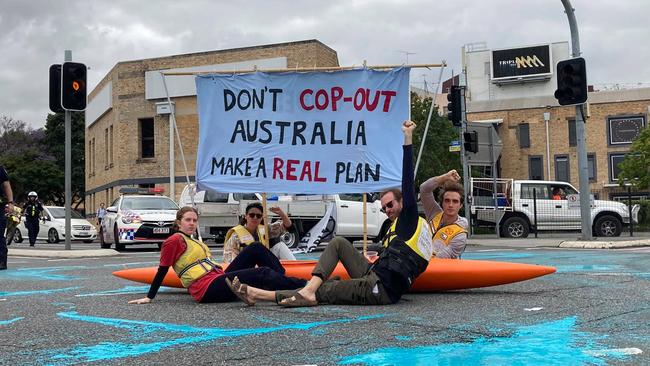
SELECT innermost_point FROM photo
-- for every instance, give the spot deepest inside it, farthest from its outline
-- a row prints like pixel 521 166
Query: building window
pixel 573 140
pixel 591 164
pixel 535 168
pixel 106 148
pixel 524 135
pixel 624 130
pixel 562 168
pixel 110 146
pixel 147 147
pixel 614 161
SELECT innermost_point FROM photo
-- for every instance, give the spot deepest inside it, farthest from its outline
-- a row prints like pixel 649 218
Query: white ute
pixel 221 211
pixel 515 208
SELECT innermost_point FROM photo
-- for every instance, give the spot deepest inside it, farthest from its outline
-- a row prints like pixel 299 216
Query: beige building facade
pixel 128 118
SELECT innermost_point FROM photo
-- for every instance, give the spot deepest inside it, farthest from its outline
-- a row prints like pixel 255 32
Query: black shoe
pixel 3 266
pixel 31 245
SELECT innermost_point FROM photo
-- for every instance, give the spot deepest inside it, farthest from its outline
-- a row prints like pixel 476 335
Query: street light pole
pixel 583 169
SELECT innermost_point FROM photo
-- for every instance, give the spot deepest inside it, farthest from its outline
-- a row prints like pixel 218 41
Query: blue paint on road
pixel 43 273
pixel 551 343
pixel 5 322
pixel 37 292
pixel 117 350
pixel 123 290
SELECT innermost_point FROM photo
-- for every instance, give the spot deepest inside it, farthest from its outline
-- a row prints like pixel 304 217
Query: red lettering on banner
pixel 388 94
pixel 302 99
pixel 308 170
pixel 277 167
pixel 337 94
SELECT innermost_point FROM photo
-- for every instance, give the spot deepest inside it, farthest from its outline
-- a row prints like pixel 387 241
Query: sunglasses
pixel 255 216
pixel 388 205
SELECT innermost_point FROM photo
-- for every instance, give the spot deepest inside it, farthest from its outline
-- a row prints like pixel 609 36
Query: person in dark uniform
pixel 6 206
pixel 33 209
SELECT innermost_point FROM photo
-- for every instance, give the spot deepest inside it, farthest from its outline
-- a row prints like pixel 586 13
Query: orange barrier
pixel 441 274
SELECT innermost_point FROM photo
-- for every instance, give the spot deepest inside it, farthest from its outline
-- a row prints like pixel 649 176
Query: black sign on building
pixel 523 62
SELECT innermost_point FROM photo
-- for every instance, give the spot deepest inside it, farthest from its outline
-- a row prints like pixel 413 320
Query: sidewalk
pixel 43 250
pixel 560 242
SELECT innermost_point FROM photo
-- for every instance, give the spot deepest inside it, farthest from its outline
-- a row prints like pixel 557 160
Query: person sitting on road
pixel 206 281
pixel 251 229
pixel 450 229
pixel 406 254
pixel 558 194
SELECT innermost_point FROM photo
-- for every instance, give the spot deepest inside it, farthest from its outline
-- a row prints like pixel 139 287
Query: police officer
pixel 32 210
pixel 6 206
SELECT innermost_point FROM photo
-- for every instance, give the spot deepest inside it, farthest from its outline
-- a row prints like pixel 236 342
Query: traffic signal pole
pixel 68 167
pixel 583 169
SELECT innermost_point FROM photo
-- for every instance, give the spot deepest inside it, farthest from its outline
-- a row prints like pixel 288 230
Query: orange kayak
pixel 440 275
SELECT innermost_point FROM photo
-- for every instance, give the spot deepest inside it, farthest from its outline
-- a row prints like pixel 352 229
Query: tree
pixel 634 168
pixel 54 142
pixel 436 157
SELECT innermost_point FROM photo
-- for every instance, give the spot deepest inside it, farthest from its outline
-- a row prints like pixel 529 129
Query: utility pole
pixel 583 169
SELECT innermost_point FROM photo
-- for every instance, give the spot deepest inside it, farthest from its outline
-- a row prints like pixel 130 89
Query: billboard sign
pixel 521 63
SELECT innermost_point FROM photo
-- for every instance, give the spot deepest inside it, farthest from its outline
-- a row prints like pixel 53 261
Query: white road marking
pixel 533 309
pixel 615 352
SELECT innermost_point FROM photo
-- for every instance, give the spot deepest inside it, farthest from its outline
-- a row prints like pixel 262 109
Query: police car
pixel 139 215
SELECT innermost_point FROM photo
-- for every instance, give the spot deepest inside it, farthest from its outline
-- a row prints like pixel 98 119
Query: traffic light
pixel 571 81
pixel 55 89
pixel 471 141
pixel 73 86
pixel 454 107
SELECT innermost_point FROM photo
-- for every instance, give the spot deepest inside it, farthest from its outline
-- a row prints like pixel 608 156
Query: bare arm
pixel 286 221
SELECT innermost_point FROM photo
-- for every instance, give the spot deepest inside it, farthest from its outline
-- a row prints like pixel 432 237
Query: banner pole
pixel 365 225
pixel 265 215
pixel 303 69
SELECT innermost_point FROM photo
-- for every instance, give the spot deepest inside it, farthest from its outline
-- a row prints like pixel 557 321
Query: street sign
pixel 454 146
pixel 489 143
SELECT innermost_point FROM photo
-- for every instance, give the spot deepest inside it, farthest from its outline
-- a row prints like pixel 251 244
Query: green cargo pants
pixel 363 288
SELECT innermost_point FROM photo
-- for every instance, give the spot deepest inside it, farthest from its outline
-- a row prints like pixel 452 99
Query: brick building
pixel 127 119
pixel 614 120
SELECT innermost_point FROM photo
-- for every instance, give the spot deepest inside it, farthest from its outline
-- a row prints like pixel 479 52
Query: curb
pixel 604 244
pixel 63 253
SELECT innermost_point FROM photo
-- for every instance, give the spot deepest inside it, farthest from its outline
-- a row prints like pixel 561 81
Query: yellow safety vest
pixel 195 262
pixel 445 233
pixel 245 237
pixel 421 242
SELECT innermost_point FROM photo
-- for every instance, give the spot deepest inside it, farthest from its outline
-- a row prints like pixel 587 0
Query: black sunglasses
pixel 388 205
pixel 255 216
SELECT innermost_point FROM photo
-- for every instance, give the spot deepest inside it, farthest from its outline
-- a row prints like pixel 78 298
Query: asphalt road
pixel 594 310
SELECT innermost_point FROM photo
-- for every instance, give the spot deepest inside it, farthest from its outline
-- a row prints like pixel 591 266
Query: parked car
pixel 143 217
pixel 553 205
pixel 52 227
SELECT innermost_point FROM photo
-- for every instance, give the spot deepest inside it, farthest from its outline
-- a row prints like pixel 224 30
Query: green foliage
pixel 634 168
pixel 436 158
pixel 35 159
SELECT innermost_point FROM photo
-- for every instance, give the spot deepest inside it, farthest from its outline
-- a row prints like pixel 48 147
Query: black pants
pixel 3 244
pixel 31 223
pixel 269 274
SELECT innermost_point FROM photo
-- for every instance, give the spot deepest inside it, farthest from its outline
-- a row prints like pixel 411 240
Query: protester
pixel 408 249
pixel 450 229
pixel 7 203
pixel 205 279
pixel 251 229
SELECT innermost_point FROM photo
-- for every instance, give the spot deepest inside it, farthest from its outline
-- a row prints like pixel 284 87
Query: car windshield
pixel 148 203
pixel 59 213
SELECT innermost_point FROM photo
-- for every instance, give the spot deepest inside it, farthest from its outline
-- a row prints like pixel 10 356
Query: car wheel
pixel 52 236
pixel 102 242
pixel 18 237
pixel 290 238
pixel 116 238
pixel 608 225
pixel 515 227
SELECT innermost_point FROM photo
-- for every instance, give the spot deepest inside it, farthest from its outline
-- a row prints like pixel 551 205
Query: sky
pixel 34 34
